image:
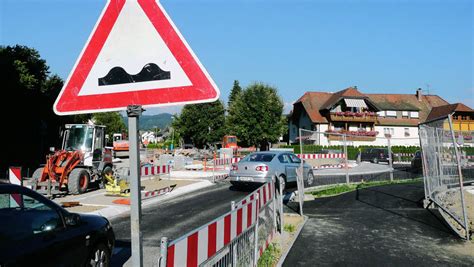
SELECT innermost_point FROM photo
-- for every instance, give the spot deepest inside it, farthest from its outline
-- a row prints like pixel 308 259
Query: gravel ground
pixel 452 198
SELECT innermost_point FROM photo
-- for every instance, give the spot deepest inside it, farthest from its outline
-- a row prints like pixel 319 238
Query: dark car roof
pixel 13 188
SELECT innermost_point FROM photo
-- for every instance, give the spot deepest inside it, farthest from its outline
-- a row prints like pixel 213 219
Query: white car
pixel 260 167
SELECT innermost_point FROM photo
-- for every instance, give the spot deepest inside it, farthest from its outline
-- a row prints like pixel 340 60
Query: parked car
pixel 260 167
pixel 35 231
pixel 416 162
pixel 375 155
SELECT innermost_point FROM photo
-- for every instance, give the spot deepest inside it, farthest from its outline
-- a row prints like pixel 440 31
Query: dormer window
pixel 355 103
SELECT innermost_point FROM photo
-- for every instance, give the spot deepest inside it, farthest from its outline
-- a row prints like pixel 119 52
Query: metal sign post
pixel 133 113
pixel 346 166
pixel 390 159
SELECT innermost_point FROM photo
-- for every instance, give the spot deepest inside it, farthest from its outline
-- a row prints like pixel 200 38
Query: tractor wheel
pixel 36 176
pixel 78 181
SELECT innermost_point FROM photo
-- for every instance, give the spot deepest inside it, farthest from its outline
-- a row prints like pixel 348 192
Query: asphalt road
pixel 172 218
pixel 378 226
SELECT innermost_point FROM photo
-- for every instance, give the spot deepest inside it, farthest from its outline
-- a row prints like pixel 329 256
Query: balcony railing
pixel 352 135
pixel 354 116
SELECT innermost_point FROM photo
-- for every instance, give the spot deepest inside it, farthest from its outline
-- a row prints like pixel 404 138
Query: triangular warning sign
pixel 134 56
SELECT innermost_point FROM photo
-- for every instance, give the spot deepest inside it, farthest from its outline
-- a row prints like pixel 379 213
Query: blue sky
pixel 297 46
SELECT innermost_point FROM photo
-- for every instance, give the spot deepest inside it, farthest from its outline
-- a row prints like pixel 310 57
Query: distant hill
pixel 149 122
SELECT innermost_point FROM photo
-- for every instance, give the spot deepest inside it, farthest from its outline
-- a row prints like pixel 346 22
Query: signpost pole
pixel 134 112
pixel 390 159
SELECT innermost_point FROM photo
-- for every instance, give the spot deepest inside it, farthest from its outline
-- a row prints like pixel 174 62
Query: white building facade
pixel 366 119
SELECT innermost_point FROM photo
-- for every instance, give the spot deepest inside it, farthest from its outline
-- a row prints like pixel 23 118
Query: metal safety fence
pixel 444 166
pixel 237 238
pixel 355 156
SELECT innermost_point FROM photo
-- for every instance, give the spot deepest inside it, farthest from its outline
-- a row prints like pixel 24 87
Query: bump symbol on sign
pixel 150 72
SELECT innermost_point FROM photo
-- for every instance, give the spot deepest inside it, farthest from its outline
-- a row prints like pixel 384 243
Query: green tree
pixel 201 124
pixel 255 117
pixel 112 120
pixel 234 93
pixel 31 89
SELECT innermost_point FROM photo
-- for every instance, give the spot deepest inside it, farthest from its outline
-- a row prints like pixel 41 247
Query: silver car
pixel 260 167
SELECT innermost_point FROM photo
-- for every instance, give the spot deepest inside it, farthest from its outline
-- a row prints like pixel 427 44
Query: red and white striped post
pixel 14 176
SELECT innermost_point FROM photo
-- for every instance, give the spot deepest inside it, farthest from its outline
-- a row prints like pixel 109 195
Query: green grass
pixel 290 228
pixel 269 256
pixel 343 188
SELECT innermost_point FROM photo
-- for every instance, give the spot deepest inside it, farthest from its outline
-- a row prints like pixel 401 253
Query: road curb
pixel 283 257
pixel 111 212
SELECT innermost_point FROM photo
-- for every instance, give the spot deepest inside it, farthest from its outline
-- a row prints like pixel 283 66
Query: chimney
pixel 419 94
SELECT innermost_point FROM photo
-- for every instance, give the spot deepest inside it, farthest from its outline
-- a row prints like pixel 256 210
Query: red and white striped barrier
pixel 223 161
pixel 220 177
pixel 155 170
pixel 265 194
pixel 334 166
pixel 14 176
pixel 449 156
pixel 404 155
pixel 201 244
pixel 321 156
pixel 156 193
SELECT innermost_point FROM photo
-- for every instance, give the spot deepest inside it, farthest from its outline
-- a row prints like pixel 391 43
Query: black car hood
pixel 93 220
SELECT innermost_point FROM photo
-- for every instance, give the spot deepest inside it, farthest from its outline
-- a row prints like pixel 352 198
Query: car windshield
pixel 265 157
pixel 79 137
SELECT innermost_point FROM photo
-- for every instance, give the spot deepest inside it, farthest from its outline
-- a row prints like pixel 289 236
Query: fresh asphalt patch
pixel 377 226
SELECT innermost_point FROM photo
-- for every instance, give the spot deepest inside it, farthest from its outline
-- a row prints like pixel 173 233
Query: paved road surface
pixel 172 219
pixel 378 226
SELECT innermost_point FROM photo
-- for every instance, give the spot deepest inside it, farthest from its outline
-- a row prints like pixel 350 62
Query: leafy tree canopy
pixel 201 124
pixel 112 120
pixel 255 116
pixel 31 90
pixel 234 93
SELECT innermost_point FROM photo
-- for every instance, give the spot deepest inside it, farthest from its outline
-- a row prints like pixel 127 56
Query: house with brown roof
pixel 366 118
pixel 462 118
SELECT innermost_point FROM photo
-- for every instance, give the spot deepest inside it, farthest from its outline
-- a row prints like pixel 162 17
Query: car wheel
pixel 100 256
pixel 375 160
pixel 310 179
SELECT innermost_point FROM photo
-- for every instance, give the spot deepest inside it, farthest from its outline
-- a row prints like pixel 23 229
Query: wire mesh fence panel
pixel 352 157
pixel 266 226
pixel 443 168
pixel 240 252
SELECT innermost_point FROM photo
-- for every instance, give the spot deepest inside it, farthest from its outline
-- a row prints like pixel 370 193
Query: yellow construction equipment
pixel 115 186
